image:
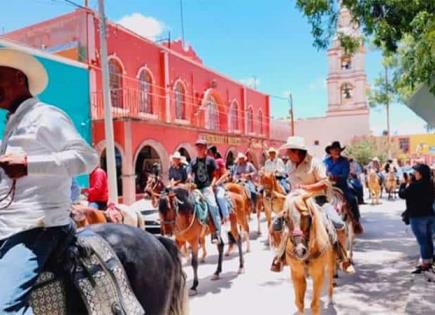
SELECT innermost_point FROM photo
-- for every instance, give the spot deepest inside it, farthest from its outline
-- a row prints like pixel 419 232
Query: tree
pixel 364 149
pixel 403 27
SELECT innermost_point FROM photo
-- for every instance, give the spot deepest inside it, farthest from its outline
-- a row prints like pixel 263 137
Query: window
pixel 145 92
pixel 212 113
pixel 346 63
pixel 115 82
pixel 260 123
pixel 180 105
pixel 234 117
pixel 250 120
pixel 346 92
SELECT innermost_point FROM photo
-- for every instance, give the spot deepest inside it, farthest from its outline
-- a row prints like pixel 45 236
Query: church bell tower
pixel 347 80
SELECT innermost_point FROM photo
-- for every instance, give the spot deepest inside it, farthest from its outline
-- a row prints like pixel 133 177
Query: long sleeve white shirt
pixel 55 153
pixel 275 166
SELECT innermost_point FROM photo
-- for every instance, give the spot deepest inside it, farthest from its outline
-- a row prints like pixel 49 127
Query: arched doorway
pixel 148 162
pixel 185 153
pixel 118 161
pixel 252 158
pixel 230 159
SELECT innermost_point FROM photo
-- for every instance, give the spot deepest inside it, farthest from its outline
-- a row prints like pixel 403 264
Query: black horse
pixel 152 265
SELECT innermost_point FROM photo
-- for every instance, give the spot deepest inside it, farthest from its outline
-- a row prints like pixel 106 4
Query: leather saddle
pixel 84 263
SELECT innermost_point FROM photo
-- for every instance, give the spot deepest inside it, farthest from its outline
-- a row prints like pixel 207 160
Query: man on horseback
pixel 40 153
pixel 275 165
pixel 177 170
pixel 338 168
pixel 245 171
pixel 308 174
pixel 202 169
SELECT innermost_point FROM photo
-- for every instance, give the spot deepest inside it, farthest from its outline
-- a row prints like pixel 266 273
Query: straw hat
pixel 35 72
pixel 376 159
pixel 241 155
pixel 295 143
pixel 176 156
pixel 272 149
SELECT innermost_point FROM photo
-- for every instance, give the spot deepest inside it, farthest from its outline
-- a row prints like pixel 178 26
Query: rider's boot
pixel 343 256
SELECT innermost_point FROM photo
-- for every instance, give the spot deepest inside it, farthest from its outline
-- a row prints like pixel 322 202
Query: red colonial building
pixel 163 97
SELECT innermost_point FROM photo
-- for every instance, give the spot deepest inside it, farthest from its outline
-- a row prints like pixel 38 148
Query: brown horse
pixel 84 216
pixel 391 185
pixel 179 217
pixel 310 253
pixel 373 183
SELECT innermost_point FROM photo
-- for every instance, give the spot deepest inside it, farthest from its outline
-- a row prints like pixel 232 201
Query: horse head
pixel 167 214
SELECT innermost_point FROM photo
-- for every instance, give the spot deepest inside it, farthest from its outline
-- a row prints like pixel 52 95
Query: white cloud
pixel 318 84
pixel 145 26
pixel 251 82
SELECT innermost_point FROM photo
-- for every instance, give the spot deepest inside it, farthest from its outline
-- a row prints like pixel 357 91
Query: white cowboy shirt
pixel 55 153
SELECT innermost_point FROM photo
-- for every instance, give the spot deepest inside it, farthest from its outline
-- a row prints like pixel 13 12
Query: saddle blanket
pixel 99 277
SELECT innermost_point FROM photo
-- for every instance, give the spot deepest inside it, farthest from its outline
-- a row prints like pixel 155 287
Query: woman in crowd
pixel 419 195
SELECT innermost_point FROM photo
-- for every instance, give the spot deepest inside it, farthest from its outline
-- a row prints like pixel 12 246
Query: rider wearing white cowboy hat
pixel 307 173
pixel 246 170
pixel 40 153
pixel 276 166
pixel 177 171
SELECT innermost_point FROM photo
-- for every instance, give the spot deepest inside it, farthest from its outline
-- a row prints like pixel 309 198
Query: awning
pixel 422 102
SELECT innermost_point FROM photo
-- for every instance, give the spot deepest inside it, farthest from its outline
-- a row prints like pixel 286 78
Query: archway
pixel 148 162
pixel 185 153
pixel 118 161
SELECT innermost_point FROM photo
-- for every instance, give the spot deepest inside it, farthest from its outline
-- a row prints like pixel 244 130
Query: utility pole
pixel 387 108
pixel 182 20
pixel 108 120
pixel 292 118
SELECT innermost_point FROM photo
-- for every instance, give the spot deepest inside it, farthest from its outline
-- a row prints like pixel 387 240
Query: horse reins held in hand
pixel 11 193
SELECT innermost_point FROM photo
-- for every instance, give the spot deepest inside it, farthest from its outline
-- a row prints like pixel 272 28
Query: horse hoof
pixel 227 254
pixel 215 277
pixel 193 292
pixel 241 271
pixel 202 261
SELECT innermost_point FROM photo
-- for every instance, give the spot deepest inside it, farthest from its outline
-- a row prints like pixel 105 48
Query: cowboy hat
pixel 201 142
pixel 376 159
pixel 295 143
pixel 176 155
pixel 35 72
pixel 334 145
pixel 241 155
pixel 272 149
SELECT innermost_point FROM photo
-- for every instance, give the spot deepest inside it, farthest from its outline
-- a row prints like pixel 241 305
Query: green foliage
pixel 366 148
pixel 403 27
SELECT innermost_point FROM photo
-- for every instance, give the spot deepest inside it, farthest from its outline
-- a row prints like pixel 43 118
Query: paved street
pixel 382 285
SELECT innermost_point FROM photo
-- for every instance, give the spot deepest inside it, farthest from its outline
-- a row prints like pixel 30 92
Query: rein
pixel 11 193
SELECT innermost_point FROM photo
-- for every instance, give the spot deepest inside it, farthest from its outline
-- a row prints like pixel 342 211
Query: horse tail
pixel 179 298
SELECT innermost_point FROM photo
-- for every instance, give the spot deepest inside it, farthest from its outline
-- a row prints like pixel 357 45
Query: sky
pixel 253 41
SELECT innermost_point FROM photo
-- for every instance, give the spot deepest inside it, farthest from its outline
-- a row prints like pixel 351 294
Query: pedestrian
pixel 40 153
pixel 98 194
pixel 419 195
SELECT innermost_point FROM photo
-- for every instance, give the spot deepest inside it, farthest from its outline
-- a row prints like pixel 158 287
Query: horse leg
pixel 259 220
pixel 300 286
pixel 195 268
pixel 203 249
pixel 331 273
pixel 317 271
pixel 241 258
pixel 220 248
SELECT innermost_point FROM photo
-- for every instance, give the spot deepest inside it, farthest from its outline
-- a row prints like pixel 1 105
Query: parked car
pixel 150 214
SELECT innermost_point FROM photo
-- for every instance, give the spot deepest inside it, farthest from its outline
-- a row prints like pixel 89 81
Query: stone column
pixel 128 174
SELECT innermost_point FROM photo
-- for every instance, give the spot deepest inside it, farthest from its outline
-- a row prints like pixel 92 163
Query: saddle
pixel 86 263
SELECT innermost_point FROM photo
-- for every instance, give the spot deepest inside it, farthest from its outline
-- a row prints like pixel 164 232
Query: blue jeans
pixel 422 228
pixel 22 258
pixel 208 194
pixel 332 215
pixel 222 200
pixel 284 184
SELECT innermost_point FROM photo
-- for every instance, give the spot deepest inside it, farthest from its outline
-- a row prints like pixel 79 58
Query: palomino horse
pixel 391 185
pixel 374 186
pixel 143 257
pixel 180 217
pixel 307 253
pixel 84 216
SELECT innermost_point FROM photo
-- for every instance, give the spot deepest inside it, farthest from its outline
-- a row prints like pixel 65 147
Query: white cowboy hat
pixel 376 159
pixel 176 155
pixel 296 143
pixel 184 160
pixel 241 155
pixel 272 149
pixel 35 72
